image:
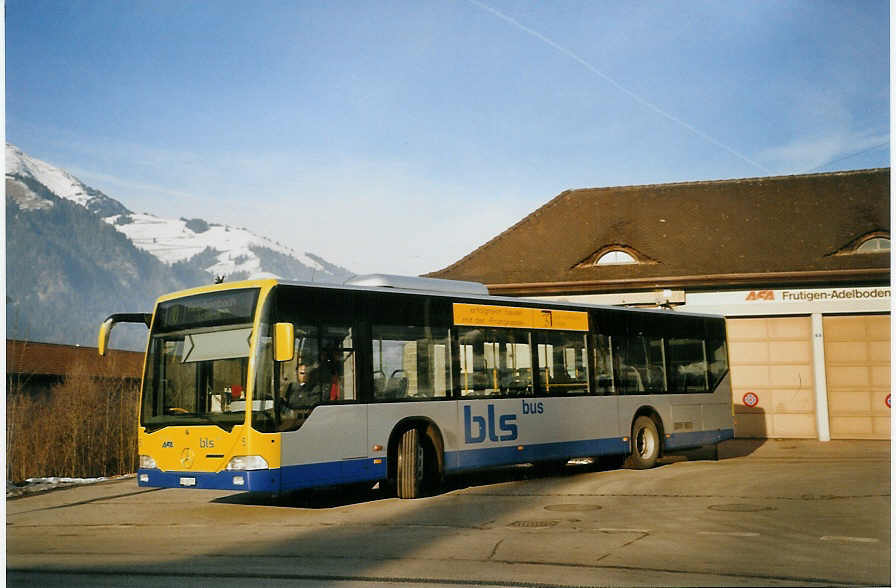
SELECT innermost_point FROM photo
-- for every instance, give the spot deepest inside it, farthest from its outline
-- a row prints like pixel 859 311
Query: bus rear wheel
pixel 411 465
pixel 645 443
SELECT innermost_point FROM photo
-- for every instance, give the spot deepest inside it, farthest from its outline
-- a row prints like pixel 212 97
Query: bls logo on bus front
pixel 477 428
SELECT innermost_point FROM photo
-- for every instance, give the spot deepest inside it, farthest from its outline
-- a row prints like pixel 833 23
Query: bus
pixel 274 386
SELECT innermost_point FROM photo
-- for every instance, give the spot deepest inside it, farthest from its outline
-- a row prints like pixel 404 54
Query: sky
pixel 397 137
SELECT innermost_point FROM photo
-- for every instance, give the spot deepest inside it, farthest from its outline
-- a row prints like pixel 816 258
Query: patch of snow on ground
pixel 37 485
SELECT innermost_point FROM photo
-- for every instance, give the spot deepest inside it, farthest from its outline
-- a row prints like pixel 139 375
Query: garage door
pixel 857 365
pixel 771 365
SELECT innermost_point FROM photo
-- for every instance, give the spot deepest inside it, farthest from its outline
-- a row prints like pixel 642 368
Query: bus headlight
pixel 147 463
pixel 247 462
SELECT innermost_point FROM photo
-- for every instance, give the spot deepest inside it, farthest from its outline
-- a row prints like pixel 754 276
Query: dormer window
pixel 874 245
pixel 615 257
pixel 874 242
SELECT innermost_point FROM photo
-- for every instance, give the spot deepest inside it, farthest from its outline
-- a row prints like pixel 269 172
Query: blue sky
pixel 399 136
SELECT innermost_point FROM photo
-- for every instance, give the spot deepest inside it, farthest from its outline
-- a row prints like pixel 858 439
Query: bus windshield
pixel 198 359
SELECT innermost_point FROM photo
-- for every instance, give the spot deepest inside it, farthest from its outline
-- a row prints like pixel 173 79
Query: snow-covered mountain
pixel 20 168
pixel 221 250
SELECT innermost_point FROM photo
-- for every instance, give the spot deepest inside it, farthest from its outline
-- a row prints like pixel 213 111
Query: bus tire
pixel 411 465
pixel 645 443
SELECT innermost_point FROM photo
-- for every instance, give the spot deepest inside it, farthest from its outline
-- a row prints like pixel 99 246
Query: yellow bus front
pixel 207 379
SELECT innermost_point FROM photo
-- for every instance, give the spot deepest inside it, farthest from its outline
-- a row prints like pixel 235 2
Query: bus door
pixel 342 411
pixel 321 394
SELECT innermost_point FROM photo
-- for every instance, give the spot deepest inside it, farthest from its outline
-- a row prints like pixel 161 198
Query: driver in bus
pixel 303 392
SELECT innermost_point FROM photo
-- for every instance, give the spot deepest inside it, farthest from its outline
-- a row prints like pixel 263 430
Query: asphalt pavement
pixel 776 512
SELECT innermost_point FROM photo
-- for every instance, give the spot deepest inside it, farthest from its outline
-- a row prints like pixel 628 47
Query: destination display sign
pixel 485 315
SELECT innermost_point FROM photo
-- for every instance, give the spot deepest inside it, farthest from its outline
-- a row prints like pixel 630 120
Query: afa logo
pixel 761 295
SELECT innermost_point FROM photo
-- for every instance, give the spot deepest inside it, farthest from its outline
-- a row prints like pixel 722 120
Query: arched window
pixel 614 254
pixel 615 257
pixel 874 245
pixel 874 242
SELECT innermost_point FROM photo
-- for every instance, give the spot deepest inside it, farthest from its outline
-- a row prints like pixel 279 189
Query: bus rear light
pixel 147 463
pixel 247 462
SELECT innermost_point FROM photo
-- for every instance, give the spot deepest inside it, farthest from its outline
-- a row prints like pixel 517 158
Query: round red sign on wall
pixel 888 401
pixel 751 399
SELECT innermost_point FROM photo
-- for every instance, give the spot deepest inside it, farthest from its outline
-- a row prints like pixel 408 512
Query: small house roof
pixel 51 359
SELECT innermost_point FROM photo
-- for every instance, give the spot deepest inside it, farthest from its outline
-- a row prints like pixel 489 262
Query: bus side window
pixel 337 364
pixel 656 365
pixel 640 364
pixel 299 389
pixel 717 353
pixel 629 365
pixel 495 362
pixel 687 366
pixel 562 363
pixel 410 362
pixel 322 370
pixel 603 365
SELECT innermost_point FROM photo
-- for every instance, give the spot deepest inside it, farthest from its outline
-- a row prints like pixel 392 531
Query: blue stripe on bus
pixel 495 456
pixel 697 439
pixel 348 471
pixel 366 469
pixel 254 480
pixel 275 480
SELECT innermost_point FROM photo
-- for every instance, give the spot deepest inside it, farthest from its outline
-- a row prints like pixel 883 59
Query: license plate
pixel 188 481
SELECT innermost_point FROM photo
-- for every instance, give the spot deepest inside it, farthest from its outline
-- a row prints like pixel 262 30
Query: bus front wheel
pixel 411 465
pixel 645 443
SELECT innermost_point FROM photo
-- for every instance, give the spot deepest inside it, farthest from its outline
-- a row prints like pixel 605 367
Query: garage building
pixel 800 266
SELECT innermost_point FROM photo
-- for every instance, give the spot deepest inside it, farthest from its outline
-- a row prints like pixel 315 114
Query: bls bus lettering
pixel 168 444
pixel 206 443
pixel 486 426
pixel 533 408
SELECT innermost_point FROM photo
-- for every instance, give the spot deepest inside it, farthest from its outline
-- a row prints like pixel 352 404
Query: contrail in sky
pixel 617 85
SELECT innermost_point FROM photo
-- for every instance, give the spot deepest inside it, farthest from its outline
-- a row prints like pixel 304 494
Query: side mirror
pixel 284 341
pixel 102 341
